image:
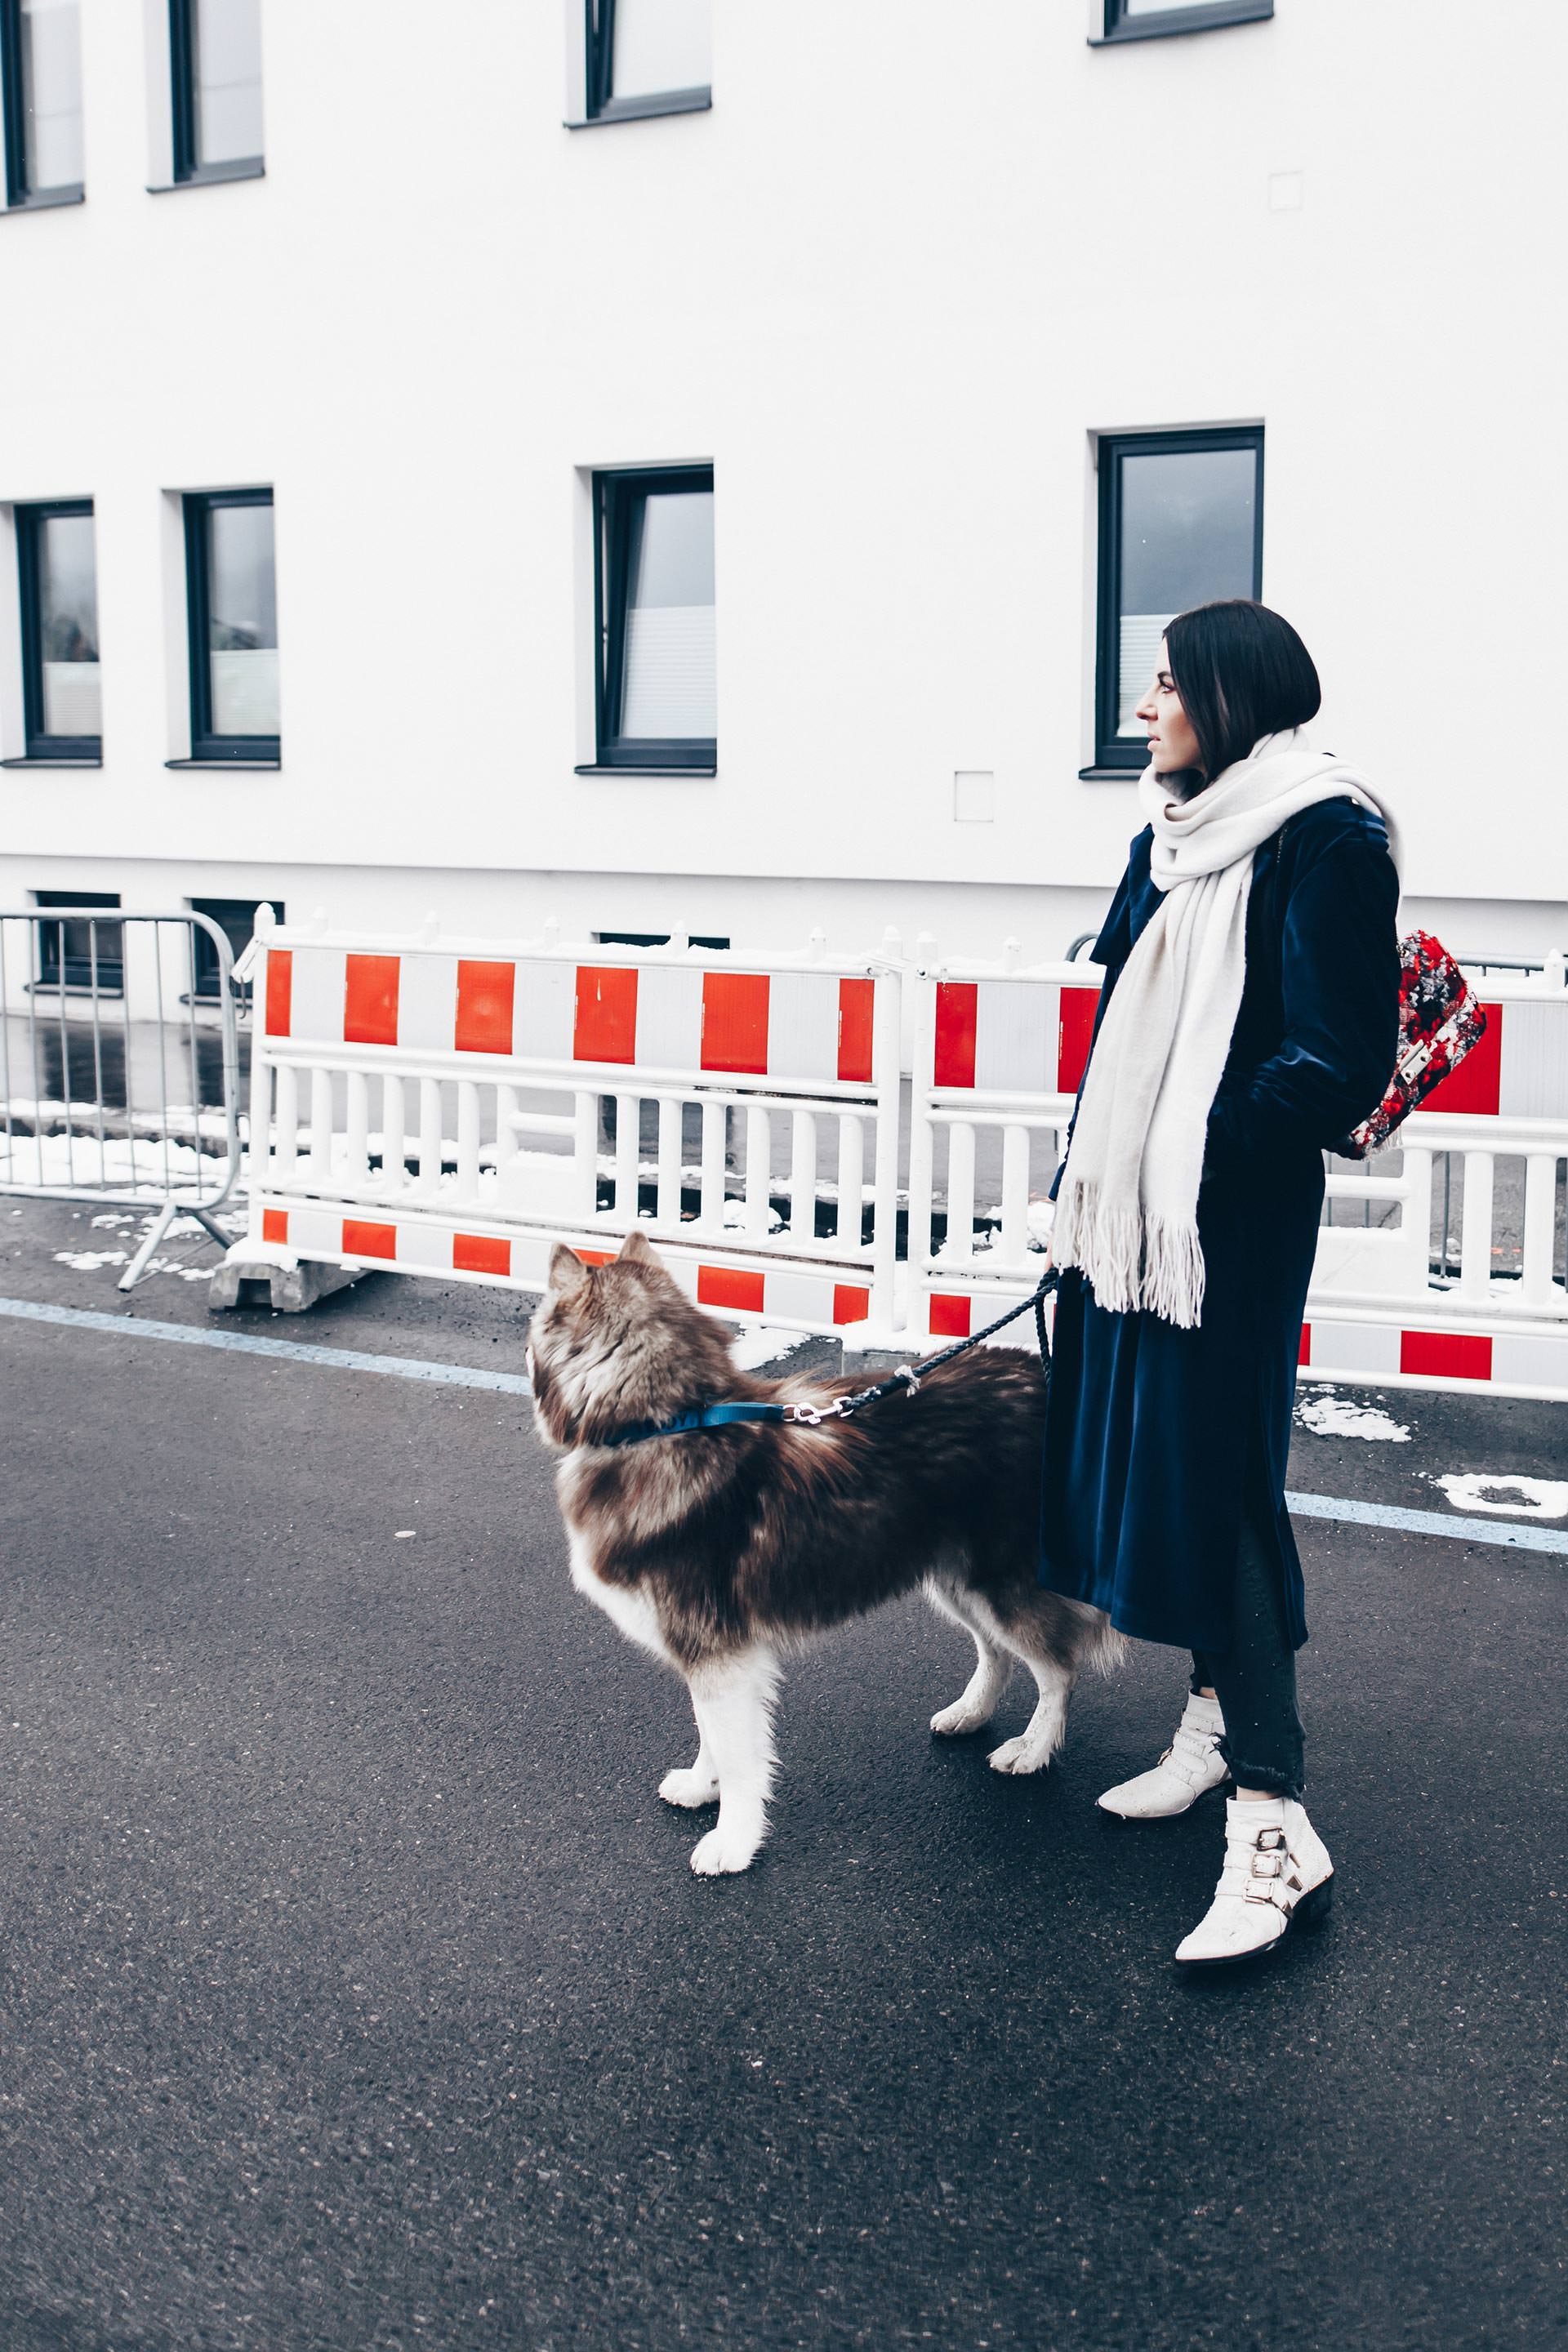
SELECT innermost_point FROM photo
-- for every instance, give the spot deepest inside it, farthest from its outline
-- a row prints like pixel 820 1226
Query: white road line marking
pixel 462 1376
pixel 1428 1522
pixel 245 1343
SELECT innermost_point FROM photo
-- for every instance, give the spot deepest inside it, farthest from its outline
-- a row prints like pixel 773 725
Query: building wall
pixel 891 286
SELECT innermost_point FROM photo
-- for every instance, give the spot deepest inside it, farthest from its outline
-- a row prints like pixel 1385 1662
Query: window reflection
pixel 48 36
pixel 669 685
pixel 242 620
pixel 660 45
pixel 66 587
pixel 1188 537
pixel 226 79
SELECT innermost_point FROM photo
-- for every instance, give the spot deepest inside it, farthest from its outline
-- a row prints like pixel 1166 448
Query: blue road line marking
pixel 1507 1532
pixel 295 1351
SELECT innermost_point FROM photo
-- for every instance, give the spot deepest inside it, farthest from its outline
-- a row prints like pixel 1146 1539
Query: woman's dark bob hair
pixel 1242 672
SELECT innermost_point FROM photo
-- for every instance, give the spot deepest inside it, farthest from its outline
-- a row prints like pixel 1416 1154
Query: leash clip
pixel 811 1416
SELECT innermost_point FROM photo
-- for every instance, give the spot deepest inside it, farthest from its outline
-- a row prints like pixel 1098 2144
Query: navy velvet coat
pixel 1153 1433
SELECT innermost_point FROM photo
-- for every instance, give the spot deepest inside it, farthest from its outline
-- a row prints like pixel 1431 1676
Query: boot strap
pixel 1272 1875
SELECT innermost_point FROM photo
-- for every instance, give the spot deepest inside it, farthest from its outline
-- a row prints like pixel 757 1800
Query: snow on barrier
pixel 119 1064
pixel 455 1107
pixel 999 1052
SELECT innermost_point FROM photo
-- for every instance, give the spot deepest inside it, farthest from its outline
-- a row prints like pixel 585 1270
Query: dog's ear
pixel 567 1271
pixel 636 1249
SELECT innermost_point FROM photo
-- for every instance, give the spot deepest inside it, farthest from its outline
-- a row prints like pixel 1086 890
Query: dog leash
pixel 907 1378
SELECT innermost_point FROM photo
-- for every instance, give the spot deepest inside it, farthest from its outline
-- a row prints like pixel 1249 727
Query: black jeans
pixel 1254 1681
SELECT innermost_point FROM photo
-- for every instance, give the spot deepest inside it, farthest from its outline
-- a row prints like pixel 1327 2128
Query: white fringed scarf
pixel 1127 1212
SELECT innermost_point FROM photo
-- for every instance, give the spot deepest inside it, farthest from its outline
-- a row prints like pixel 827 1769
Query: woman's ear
pixel 567 1271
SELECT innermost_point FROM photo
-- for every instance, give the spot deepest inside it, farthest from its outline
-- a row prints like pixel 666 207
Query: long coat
pixel 1156 1434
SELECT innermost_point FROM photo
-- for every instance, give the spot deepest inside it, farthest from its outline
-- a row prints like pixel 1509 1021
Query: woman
pixel 1248 1019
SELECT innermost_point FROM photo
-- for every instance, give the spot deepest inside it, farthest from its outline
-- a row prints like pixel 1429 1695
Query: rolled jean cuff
pixel 1259 1775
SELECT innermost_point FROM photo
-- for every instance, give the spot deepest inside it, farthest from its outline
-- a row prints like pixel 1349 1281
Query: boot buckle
pixel 1267 1864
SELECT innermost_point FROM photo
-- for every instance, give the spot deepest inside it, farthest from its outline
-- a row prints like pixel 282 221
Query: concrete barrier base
pixel 293 1285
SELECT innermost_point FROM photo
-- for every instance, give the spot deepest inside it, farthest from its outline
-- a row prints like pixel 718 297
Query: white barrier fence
pixel 987 1092
pixel 455 1106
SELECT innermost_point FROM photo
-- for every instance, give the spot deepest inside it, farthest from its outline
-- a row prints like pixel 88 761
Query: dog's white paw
pixel 690 1788
pixel 1018 1756
pixel 952 1722
pixel 722 1851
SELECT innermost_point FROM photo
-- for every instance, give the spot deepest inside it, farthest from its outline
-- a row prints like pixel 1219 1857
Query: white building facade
pixel 710 469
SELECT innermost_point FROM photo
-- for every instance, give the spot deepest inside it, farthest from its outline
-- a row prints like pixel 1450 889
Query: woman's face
pixel 1172 744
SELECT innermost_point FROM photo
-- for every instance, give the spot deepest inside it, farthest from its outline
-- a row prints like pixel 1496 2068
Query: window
pixel 62 711
pixel 1144 20
pixel 653 939
pixel 646 57
pixel 85 953
pixel 653 578
pixel 236 918
pixel 1181 523
pixel 214 55
pixel 40 71
pixel 233 608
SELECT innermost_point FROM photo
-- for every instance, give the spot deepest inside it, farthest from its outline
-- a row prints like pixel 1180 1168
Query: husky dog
pixel 721 1549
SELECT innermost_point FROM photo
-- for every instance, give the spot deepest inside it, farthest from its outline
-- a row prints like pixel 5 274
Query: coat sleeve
pixel 1340 984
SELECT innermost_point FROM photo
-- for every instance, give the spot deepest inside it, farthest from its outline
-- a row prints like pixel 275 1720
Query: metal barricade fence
pixel 999 1051
pixel 119 1064
pixel 454 1108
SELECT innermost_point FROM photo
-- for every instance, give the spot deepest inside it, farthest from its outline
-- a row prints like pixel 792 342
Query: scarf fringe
pixel 1131 1263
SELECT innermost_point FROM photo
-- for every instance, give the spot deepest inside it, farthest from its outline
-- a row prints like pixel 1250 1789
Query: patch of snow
pixel 734 1218
pixel 177 1266
pixel 1328 1415
pixel 1542 1498
pixel 89 1261
pixel 1040 1216
pixel 761 1344
pixel 118 1163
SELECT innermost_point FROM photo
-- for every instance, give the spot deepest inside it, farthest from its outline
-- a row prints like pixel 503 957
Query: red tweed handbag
pixel 1440 1019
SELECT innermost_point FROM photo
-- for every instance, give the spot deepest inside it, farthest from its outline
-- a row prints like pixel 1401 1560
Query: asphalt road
pixel 354 1991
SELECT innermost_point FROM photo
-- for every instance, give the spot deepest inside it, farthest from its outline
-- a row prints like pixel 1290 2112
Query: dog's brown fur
pixel 719 1549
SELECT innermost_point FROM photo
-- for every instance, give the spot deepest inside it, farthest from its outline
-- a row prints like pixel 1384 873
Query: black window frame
pixel 189 171
pixel 705 940
pixel 265 749
pixel 1114 754
pixel 204 954
pixel 615 495
pixel 39 746
pixel 92 974
pixel 1164 23
pixel 600 103
pixel 19 195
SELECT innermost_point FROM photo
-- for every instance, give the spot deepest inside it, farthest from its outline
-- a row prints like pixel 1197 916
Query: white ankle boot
pixel 1277 1876
pixel 1190 1767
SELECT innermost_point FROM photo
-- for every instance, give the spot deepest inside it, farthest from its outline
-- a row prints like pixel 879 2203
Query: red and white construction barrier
pixel 802 1026
pixel 999 1054
pixel 455 1109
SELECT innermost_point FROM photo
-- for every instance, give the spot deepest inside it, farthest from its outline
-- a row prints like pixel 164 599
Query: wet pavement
pixel 354 1991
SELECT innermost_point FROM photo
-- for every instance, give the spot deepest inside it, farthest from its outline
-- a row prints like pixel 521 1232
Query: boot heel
pixel 1314 1909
